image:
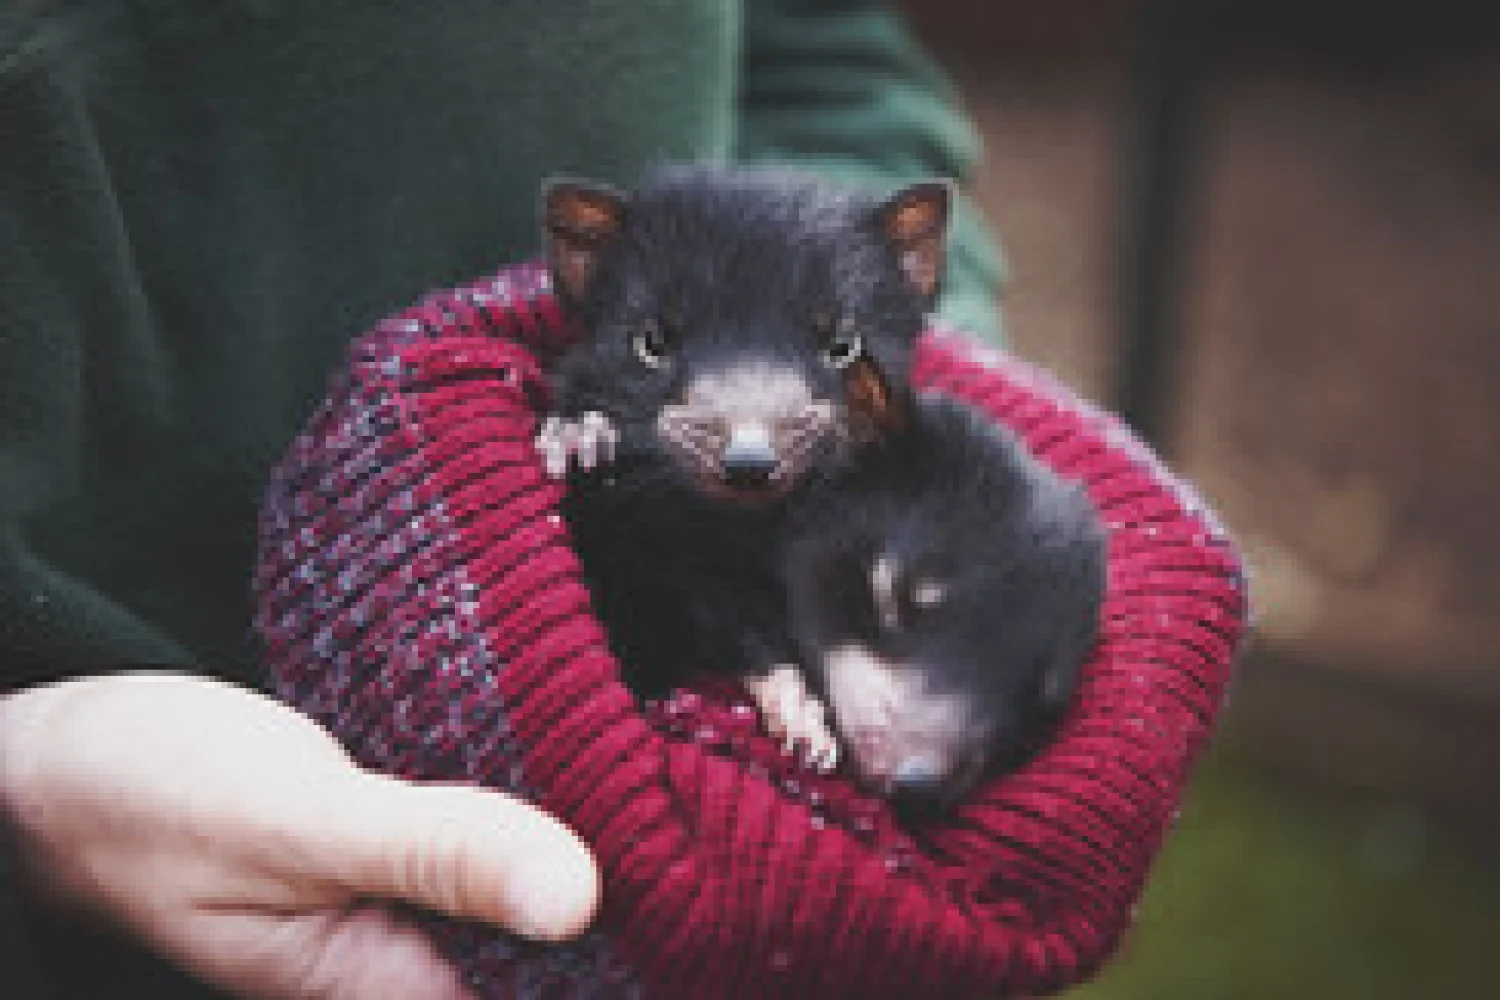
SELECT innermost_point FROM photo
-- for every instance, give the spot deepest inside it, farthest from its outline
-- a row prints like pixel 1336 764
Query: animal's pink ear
pixel 914 221
pixel 579 219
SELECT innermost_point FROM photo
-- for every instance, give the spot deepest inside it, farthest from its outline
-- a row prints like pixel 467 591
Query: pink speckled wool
pixel 417 595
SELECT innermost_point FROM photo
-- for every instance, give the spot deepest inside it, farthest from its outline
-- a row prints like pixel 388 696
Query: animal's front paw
pixel 589 440
pixel 792 712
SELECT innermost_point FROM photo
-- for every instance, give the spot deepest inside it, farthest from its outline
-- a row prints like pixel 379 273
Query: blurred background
pixel 1269 234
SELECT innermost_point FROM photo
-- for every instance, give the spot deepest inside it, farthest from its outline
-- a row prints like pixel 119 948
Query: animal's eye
pixel 928 593
pixel 650 343
pixel 902 600
pixel 844 346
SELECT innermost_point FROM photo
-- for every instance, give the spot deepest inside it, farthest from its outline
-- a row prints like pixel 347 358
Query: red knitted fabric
pixel 417 595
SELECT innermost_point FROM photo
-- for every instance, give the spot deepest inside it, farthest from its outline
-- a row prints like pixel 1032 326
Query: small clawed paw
pixel 792 713
pixel 589 440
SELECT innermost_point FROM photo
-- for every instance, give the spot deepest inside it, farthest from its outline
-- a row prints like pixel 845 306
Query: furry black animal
pixel 943 593
pixel 741 332
pixel 710 301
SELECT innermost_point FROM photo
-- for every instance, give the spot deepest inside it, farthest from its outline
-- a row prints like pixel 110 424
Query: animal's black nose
pixel 918 784
pixel 748 463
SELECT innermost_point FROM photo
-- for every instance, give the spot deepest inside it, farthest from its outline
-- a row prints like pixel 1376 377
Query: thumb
pixel 467 852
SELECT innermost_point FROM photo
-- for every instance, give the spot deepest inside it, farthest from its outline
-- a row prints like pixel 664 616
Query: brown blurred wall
pixel 1338 390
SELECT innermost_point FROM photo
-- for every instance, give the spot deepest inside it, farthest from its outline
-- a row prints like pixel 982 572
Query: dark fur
pixel 741 266
pixel 956 498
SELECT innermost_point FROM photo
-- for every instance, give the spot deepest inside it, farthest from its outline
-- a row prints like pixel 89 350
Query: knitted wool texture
pixel 416 594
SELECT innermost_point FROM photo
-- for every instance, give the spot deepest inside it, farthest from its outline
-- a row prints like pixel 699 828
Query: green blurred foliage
pixel 1272 892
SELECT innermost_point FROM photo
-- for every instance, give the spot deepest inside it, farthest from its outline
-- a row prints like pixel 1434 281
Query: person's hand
pixel 236 836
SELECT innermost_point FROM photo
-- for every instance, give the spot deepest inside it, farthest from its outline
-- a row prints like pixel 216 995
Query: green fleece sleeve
pixel 841 86
pixel 64 267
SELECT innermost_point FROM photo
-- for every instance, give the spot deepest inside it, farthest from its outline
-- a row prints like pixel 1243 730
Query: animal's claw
pixel 589 440
pixel 791 712
pixel 550 443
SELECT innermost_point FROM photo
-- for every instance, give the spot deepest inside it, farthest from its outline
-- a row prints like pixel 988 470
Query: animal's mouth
pixel 746 495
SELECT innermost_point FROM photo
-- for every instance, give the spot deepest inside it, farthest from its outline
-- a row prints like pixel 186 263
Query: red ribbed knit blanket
pixel 417 595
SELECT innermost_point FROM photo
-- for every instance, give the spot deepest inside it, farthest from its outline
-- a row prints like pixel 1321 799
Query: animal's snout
pixel 923 745
pixel 920 784
pixel 750 458
pixel 918 777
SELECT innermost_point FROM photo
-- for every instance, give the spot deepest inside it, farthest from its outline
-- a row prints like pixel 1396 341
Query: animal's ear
pixel 914 221
pixel 579 219
pixel 882 406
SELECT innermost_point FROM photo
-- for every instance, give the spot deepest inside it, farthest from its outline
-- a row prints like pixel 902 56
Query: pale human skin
pixel 235 836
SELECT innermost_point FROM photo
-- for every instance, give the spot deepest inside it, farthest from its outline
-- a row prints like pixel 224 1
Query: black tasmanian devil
pixel 741 334
pixel 943 593
pixel 743 365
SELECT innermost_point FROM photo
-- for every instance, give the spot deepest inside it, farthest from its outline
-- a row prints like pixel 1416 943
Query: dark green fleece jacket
pixel 201 202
